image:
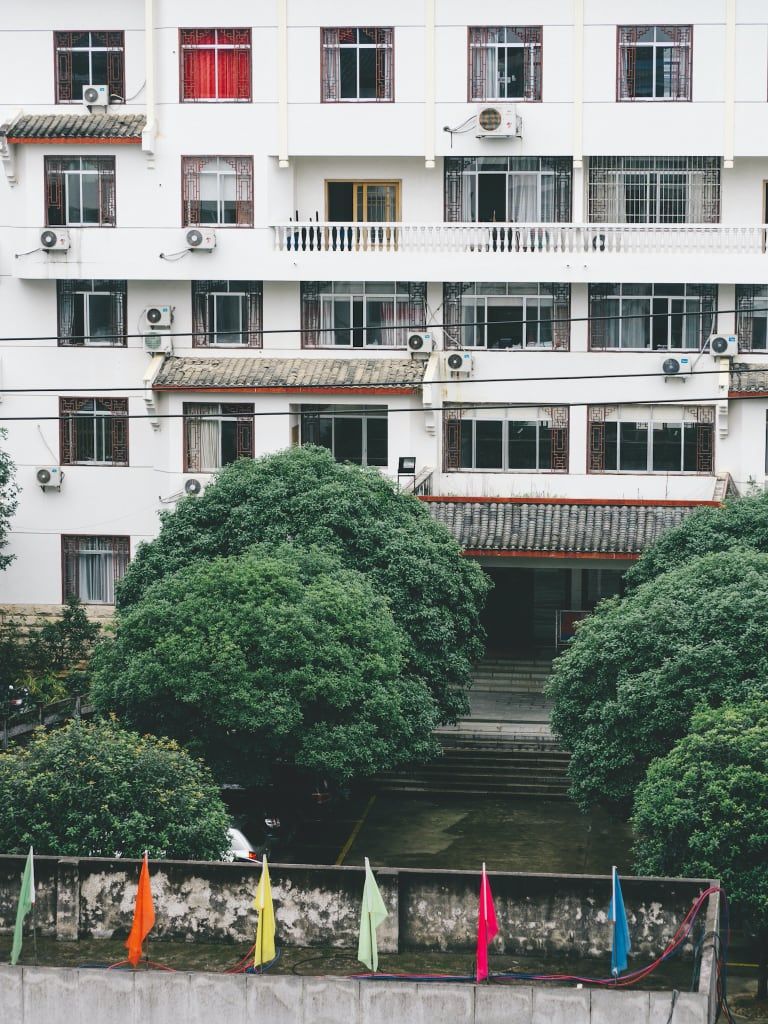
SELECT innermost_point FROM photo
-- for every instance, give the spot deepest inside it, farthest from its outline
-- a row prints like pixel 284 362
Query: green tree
pixel 267 659
pixel 625 689
pixel 701 811
pixel 98 790
pixel 739 523
pixel 9 493
pixel 303 495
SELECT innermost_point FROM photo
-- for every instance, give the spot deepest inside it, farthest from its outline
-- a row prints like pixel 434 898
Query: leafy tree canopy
pixel 98 790
pixel 303 495
pixel 8 501
pixel 739 523
pixel 625 689
pixel 280 655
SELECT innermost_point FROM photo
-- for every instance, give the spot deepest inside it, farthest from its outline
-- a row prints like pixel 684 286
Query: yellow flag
pixel 265 930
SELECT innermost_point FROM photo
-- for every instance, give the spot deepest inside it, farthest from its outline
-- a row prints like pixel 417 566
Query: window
pixel 505 63
pixel 91 312
pixel 217 190
pixel 497 316
pixel 226 313
pixel 513 440
pixel 521 189
pixel 80 191
pixel 654 189
pixel 752 317
pixel 94 431
pixel 363 201
pixel 357 65
pixel 648 439
pixel 92 566
pixel 370 314
pixel 215 64
pixel 216 435
pixel 654 62
pixel 651 316
pixel 89 58
pixel 355 434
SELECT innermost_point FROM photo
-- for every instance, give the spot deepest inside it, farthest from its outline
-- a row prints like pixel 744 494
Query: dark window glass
pixel 522 445
pixel 100 319
pixel 610 442
pixel 228 441
pixel 667 447
pixel 465 459
pixel 634 446
pixel 348 68
pixel 644 71
pixel 488 443
pixel 349 439
pixel 545 446
pixel 367 74
pixel 690 448
pixel 378 454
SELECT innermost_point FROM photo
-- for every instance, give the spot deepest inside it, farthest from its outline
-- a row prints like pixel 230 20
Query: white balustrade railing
pixel 318 236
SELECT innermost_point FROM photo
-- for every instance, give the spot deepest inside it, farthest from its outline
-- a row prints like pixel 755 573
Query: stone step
pixel 533 791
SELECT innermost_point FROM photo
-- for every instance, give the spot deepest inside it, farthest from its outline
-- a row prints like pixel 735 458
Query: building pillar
pixel 576 581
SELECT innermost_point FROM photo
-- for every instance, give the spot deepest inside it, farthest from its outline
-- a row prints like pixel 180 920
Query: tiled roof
pixel 267 373
pixel 749 377
pixel 75 126
pixel 610 528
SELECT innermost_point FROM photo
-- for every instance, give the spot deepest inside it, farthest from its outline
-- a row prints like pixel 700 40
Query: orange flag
pixel 143 915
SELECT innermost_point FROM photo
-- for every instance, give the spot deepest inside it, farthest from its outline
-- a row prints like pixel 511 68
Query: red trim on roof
pixel 623 556
pixel 88 140
pixel 664 502
pixel 748 394
pixel 382 389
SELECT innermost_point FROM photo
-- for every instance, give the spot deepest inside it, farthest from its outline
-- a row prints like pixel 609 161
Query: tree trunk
pixel 762 963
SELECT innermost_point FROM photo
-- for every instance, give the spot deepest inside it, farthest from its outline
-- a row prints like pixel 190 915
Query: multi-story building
pixel 564 196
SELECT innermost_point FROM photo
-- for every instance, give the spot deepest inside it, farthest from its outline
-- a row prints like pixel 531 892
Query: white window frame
pixel 347 412
pixel 72 174
pixel 528 66
pixel 625 315
pixel 398 332
pixel 101 425
pixel 220 172
pixel 357 46
pixel 505 417
pixel 88 338
pixel 655 44
pixel 650 414
pixel 228 340
pixel 107 558
pixel 473 326
pixel 539 174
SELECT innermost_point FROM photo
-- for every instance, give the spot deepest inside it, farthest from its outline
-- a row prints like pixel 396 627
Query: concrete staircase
pixel 504 747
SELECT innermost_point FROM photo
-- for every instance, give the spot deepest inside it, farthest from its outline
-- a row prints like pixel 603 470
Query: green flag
pixel 26 899
pixel 371 916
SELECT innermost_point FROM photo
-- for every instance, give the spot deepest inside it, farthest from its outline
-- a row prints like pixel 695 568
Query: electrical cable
pixel 419 328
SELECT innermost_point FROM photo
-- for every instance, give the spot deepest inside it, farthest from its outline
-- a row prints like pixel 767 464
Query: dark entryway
pixel 508 618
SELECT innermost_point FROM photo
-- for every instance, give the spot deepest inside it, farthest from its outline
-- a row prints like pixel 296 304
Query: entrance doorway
pixel 509 612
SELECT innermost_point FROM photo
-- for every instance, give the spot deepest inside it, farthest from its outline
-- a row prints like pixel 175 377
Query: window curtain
pixel 203 433
pixel 191 168
pixel 524 197
pixel 96 572
pixel 331 65
pixel 65 295
pixel 460 183
pixel 198 64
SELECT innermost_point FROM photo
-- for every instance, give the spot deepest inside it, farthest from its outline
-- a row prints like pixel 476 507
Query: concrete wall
pixel 432 910
pixel 30 995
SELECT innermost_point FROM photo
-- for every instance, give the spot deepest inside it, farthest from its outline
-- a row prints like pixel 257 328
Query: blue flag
pixel 618 915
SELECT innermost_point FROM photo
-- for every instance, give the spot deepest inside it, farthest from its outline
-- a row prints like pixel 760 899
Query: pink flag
pixel 487 928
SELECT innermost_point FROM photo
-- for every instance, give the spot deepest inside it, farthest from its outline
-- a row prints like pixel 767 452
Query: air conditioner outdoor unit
pixel 158 344
pixel 192 486
pixel 96 95
pixel 499 122
pixel 420 343
pixel 459 364
pixel 200 240
pixel 49 477
pixel 156 318
pixel 54 240
pixel 676 368
pixel 723 345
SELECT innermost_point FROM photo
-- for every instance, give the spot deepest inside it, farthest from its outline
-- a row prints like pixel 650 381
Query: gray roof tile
pixel 75 126
pixel 749 377
pixel 610 528
pixel 263 372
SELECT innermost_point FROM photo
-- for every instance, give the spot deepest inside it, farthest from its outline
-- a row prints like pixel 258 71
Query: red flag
pixel 487 928
pixel 143 915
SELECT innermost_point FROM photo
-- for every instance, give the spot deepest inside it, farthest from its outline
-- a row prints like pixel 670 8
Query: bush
pixel 267 659
pixel 302 495
pixel 98 790
pixel 625 689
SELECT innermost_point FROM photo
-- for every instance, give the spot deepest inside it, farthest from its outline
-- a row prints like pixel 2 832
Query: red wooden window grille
pixel 71 297
pixel 219 208
pixel 490 50
pixel 313 337
pixel 215 64
pixel 670 73
pixel 702 415
pixel 111 554
pixel 203 327
pixel 89 58
pixel 453 317
pixel 93 430
pixel 336 82
pixel 57 169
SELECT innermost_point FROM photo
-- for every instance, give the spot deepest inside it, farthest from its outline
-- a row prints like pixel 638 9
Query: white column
pixel 578 82
pixel 730 83
pixel 150 129
pixel 282 83
pixel 429 83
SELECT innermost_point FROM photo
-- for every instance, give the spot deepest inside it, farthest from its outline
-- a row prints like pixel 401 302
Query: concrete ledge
pixel 51 995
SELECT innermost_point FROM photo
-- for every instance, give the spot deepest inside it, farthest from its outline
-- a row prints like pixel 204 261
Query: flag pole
pixel 146 948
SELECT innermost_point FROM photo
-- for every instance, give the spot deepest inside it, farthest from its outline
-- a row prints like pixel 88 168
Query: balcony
pixel 514 251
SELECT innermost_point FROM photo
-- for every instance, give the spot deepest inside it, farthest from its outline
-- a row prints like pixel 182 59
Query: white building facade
pixel 567 195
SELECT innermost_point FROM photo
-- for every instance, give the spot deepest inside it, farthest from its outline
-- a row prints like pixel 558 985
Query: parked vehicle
pixel 240 849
